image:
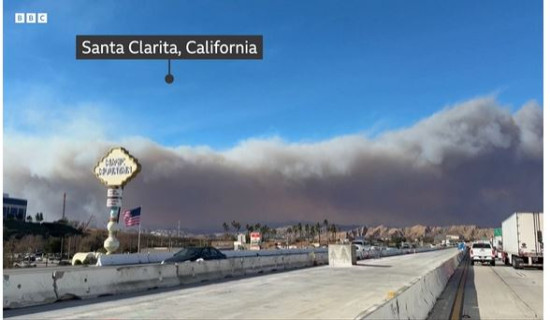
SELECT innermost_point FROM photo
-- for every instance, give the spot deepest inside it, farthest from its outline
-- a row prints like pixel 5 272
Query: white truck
pixel 522 243
pixel 482 251
pixel 361 248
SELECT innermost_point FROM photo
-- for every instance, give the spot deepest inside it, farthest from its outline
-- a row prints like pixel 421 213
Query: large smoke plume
pixel 472 163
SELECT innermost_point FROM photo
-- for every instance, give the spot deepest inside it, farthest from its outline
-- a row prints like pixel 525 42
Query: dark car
pixel 194 254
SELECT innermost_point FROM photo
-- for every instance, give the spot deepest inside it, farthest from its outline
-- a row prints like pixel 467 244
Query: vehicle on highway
pixel 360 242
pixel 30 258
pixel 374 252
pixel 361 248
pixel 362 252
pixel 522 242
pixel 482 251
pixel 24 264
pixel 195 254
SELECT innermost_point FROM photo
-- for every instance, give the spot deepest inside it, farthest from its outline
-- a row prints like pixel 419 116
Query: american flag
pixel 132 217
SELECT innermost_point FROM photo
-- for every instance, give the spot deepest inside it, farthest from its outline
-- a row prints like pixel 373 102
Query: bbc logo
pixel 31 18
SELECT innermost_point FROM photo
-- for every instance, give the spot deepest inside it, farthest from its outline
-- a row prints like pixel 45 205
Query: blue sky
pixel 330 68
pixel 362 112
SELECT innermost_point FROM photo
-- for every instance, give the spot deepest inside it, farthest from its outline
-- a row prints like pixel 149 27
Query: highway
pixel 320 292
pixel 499 292
pixel 502 292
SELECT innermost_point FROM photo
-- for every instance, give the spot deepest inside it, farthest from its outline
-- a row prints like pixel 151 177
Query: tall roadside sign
pixel 115 170
pixel 255 240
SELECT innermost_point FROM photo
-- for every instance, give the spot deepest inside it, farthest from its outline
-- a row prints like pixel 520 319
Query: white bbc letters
pixel 42 17
pixel 19 18
pixel 31 17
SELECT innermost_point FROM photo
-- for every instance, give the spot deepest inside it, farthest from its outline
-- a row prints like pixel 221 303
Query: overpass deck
pixel 320 292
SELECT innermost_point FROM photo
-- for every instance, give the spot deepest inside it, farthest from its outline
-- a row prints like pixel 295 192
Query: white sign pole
pixel 114 170
pixel 112 243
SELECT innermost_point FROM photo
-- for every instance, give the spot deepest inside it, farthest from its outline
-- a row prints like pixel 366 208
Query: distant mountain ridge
pixel 412 233
pixel 421 232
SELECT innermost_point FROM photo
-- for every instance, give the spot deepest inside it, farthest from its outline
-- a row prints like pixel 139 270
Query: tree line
pixel 63 238
pixel 295 233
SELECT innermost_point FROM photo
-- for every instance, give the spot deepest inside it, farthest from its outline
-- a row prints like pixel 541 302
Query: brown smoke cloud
pixel 471 163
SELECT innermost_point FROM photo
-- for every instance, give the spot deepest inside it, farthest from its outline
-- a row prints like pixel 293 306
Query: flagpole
pixel 130 219
pixel 139 237
pixel 139 232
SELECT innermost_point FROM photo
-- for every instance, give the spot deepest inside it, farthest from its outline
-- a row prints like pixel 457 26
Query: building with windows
pixel 14 208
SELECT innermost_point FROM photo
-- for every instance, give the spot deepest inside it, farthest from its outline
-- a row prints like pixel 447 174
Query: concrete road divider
pixel 342 255
pixel 25 289
pixel 143 258
pixel 417 299
pixel 135 258
pixel 42 287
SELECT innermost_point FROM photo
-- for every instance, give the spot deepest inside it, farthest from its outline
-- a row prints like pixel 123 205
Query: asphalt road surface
pixel 499 292
pixel 502 292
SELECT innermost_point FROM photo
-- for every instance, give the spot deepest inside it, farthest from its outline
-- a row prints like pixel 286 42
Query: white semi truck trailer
pixel 522 240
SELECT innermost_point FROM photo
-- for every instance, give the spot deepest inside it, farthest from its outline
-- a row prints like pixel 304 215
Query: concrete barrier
pixel 77 283
pixel 342 255
pixel 42 287
pixel 134 258
pixel 417 299
pixel 373 254
pixel 143 258
pixel 25 289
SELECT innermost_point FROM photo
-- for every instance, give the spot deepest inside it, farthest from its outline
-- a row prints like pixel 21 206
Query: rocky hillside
pixel 420 232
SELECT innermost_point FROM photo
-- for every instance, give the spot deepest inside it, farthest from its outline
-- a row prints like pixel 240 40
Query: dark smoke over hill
pixel 472 163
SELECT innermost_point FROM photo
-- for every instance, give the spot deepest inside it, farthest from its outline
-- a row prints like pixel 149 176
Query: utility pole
pixel 63 218
pixel 64 200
